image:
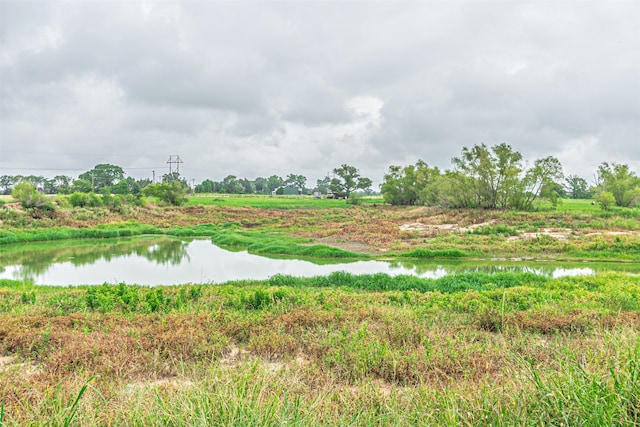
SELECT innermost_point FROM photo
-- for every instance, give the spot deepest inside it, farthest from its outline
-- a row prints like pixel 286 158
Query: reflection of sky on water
pixel 199 261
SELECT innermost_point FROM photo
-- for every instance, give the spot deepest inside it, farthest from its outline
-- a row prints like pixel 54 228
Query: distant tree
pixel 296 181
pixel 231 185
pixel 347 180
pixel 103 175
pixel 273 183
pixel 247 186
pixel 577 187
pixel 126 186
pixel 260 185
pixel 322 185
pixel 205 186
pixel 7 182
pixel 81 186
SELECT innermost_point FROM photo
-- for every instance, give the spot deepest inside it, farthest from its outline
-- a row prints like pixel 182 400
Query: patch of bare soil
pixel 559 234
pixel 454 228
pixel 347 245
pixel 8 363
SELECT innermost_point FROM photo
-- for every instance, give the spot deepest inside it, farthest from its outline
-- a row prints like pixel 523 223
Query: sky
pixel 261 88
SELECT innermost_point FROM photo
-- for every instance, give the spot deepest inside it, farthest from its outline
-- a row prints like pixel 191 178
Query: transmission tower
pixel 174 160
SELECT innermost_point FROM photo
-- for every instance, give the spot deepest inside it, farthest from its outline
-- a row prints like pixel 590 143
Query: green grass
pixel 470 350
pixel 261 243
pixel 272 202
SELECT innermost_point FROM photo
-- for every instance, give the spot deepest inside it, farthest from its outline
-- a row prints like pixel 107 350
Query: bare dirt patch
pixel 559 234
pixel 347 245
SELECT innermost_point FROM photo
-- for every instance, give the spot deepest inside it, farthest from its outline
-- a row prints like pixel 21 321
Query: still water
pixel 165 260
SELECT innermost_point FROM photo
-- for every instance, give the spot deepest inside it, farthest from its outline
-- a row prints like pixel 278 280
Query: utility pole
pixel 154 177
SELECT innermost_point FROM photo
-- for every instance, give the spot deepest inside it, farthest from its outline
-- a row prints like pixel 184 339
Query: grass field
pixel 273 202
pixel 471 349
pixel 516 350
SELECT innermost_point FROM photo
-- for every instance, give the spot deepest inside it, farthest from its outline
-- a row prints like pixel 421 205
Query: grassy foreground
pixel 474 349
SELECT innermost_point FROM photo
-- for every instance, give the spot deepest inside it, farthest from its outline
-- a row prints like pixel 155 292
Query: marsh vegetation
pixel 504 348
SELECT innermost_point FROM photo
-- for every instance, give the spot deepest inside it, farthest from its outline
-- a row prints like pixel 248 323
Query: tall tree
pixel 577 187
pixel 103 175
pixel 347 180
pixel 489 176
pixel 296 181
pixel 621 182
pixel 273 183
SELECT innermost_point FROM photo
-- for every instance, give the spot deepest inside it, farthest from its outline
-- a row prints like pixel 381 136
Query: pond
pixel 167 260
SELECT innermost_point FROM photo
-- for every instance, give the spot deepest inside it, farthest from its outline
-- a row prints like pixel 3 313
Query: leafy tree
pixel 577 187
pixel 540 181
pixel 296 181
pixel 410 185
pixel 620 181
pixel 7 182
pixel 247 186
pixel 322 185
pixel 173 193
pixel 260 185
pixel 103 175
pixel 273 183
pixel 126 186
pixel 231 185
pixel 81 186
pixel 488 177
pixel 28 196
pixel 347 180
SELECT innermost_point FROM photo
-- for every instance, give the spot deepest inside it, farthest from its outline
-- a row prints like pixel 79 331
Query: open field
pixel 470 349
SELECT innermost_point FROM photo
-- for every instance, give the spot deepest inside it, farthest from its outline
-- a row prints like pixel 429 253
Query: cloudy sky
pixel 261 88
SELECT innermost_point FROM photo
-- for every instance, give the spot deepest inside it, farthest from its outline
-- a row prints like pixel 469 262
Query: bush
pixel 605 199
pixel 25 192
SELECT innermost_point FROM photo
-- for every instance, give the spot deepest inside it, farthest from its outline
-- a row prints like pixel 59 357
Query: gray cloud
pixel 274 88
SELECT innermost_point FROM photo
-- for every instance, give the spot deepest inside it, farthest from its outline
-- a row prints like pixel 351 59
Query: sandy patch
pixel 558 234
pixel 346 245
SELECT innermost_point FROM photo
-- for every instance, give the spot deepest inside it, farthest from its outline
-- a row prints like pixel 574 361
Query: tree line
pixel 494 177
pixel 105 180
pixel 497 178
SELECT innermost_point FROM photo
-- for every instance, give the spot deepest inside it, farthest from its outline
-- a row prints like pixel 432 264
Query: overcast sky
pixel 260 88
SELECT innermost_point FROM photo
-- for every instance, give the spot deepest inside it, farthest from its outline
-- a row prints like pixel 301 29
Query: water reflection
pixel 166 260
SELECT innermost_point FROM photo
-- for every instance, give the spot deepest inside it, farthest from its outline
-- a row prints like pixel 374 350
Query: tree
pixel 273 183
pixel 411 185
pixel 7 182
pixel 620 181
pixel 81 186
pixel 231 185
pixel 577 187
pixel 296 181
pixel 260 185
pixel 103 175
pixel 173 193
pixel 322 185
pixel 540 181
pixel 347 180
pixel 489 177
